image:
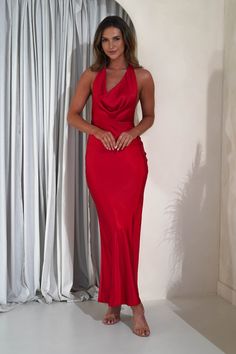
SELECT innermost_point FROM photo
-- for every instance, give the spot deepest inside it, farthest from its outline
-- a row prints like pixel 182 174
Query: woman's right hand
pixel 106 138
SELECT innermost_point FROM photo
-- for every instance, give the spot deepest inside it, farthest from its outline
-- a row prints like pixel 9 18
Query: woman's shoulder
pixel 142 73
pixel 144 77
pixel 88 73
pixel 88 76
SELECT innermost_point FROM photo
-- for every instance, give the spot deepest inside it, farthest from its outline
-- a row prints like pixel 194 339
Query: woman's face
pixel 113 43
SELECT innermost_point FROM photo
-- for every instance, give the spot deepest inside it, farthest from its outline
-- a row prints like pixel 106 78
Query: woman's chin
pixel 112 56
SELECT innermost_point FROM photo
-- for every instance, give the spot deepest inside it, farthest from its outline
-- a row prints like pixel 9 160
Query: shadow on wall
pixel 194 214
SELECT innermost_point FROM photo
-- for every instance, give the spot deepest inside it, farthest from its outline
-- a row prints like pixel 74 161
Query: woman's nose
pixel 111 44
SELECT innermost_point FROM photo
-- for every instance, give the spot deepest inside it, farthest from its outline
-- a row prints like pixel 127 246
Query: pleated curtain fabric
pixel 49 234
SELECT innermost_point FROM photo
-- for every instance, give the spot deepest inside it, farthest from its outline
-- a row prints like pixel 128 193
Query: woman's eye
pixel 104 39
pixel 117 38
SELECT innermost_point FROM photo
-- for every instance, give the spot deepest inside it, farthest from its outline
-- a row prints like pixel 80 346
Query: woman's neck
pixel 118 64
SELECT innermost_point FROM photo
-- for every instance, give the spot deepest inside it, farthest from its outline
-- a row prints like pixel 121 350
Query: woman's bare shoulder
pixel 87 78
pixel 143 74
pixel 144 78
pixel 88 75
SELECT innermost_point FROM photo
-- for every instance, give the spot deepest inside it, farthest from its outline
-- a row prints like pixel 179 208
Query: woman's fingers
pixel 123 140
pixel 109 141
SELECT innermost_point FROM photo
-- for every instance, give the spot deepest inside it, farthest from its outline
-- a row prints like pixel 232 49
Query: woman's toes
pixel 146 333
pixel 142 333
pixel 112 315
pixel 111 319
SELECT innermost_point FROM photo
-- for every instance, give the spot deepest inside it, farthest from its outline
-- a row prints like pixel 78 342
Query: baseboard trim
pixel 226 292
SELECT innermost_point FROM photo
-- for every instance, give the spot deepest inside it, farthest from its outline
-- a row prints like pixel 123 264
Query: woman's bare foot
pixel 140 326
pixel 112 315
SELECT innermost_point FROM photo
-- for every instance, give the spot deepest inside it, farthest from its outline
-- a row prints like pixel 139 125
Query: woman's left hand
pixel 125 139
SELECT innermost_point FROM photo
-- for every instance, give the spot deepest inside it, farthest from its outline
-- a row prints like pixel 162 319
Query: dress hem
pixel 128 303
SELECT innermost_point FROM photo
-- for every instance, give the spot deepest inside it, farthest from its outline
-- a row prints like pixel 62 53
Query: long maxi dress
pixel 116 180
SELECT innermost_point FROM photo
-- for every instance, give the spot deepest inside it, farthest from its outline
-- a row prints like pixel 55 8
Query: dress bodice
pixel 114 110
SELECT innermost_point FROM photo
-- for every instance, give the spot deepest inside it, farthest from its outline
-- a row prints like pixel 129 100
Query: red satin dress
pixel 116 181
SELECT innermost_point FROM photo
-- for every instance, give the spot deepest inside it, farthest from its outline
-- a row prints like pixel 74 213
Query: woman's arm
pixel 78 101
pixel 147 101
pixel 146 96
pixel 77 104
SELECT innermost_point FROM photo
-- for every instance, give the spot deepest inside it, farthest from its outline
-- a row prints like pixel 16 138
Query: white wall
pixel 181 43
pixel 227 277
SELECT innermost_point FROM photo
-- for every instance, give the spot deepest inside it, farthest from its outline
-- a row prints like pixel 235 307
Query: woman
pixel 116 163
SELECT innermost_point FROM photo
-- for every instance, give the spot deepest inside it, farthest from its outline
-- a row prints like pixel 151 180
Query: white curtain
pixel 49 235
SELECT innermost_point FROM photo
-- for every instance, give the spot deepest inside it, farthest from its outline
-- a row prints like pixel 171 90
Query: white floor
pixel 179 326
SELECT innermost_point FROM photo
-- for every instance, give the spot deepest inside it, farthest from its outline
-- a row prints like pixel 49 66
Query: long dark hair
pixel 129 37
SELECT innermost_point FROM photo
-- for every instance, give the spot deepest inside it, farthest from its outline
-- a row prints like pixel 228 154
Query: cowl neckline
pixel 118 83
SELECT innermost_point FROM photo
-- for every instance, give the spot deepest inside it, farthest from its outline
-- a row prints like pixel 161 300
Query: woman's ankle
pixel 114 307
pixel 138 309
